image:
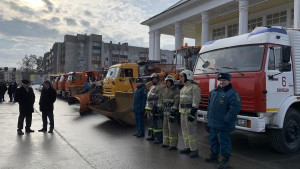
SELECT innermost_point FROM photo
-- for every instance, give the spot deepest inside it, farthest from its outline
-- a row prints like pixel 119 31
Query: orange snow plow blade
pixel 84 100
pixel 118 109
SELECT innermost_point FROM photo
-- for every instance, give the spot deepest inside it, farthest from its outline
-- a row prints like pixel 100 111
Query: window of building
pixel 254 23
pixel 96 44
pixel 97 51
pixel 96 57
pixel 233 30
pixel 277 19
pixel 219 33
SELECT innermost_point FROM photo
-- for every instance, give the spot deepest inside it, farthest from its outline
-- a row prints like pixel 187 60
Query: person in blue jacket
pixel 139 103
pixel 223 106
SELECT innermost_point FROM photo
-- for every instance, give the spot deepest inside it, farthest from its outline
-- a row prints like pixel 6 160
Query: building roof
pixel 168 9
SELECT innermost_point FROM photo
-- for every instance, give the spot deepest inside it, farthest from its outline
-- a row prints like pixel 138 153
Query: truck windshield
pixel 112 72
pixel 70 77
pixel 234 59
pixel 61 78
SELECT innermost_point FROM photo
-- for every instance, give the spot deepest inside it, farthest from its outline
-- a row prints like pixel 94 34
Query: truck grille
pixel 107 90
pixel 204 101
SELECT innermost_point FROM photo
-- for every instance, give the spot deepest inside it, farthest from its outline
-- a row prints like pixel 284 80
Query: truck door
pixel 279 83
pixel 125 75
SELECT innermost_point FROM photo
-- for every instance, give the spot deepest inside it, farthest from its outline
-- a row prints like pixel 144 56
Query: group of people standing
pixel 166 104
pixel 11 90
pixel 26 98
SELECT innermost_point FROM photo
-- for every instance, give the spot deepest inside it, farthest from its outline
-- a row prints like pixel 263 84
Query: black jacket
pixel 25 99
pixel 140 97
pixel 48 97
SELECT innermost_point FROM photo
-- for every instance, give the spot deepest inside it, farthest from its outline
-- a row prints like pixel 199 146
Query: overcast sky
pixel 32 26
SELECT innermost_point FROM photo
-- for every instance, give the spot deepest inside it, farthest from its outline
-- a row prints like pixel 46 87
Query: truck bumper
pixel 254 124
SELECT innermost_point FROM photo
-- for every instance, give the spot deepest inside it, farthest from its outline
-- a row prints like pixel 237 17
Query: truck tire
pixel 287 139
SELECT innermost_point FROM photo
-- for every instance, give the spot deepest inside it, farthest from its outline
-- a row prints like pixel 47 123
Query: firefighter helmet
pixel 154 75
pixel 169 77
pixel 189 75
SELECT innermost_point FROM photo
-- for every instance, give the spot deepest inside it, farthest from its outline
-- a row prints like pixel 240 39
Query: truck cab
pixel 117 78
pixel 61 84
pixel 55 82
pixel 264 67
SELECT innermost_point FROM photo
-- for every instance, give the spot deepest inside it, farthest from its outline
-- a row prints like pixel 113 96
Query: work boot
pixel 150 138
pixel 157 142
pixel 29 131
pixel 50 131
pixel 140 135
pixel 185 151
pixel 42 130
pixel 212 158
pixel 224 163
pixel 194 154
pixel 172 148
pixel 20 132
pixel 135 134
pixel 164 146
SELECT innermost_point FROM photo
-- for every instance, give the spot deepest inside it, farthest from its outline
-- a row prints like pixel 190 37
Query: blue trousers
pixel 220 141
pixel 51 119
pixel 140 122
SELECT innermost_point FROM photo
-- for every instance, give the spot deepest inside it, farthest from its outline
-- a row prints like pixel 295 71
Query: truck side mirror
pixel 286 53
pixel 285 67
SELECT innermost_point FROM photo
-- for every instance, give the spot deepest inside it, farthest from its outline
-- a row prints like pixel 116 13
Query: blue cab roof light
pixel 271 29
pixel 209 42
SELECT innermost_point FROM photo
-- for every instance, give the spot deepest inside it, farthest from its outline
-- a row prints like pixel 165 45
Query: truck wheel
pixel 287 139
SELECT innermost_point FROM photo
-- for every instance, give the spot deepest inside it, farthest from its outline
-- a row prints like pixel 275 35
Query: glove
pixel 172 116
pixel 192 114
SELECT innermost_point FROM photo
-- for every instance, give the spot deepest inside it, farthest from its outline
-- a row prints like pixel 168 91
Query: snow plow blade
pixel 84 100
pixel 118 109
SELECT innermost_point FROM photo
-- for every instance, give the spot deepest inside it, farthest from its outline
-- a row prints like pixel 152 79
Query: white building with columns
pixel 205 20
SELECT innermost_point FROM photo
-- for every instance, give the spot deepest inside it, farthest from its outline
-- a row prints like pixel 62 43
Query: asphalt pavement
pixel 94 141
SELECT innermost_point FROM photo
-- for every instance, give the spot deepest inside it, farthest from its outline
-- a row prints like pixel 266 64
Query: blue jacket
pixel 140 97
pixel 223 106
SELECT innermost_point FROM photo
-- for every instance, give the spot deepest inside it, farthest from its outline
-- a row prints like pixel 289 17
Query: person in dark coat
pixel 223 106
pixel 3 89
pixel 9 92
pixel 25 97
pixel 13 90
pixel 48 97
pixel 139 103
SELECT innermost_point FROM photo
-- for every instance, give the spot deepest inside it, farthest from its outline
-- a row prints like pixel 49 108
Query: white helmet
pixel 189 74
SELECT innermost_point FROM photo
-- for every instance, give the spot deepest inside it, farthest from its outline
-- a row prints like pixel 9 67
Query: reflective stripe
pixel 150 128
pixel 185 138
pixel 168 100
pixel 157 130
pixel 166 137
pixel 148 108
pixel 192 140
pixel 173 138
pixel 182 111
pixel 185 96
pixel 191 116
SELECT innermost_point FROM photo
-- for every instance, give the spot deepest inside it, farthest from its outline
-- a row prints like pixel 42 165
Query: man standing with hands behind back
pixel 25 97
pixel 48 97
pixel 224 104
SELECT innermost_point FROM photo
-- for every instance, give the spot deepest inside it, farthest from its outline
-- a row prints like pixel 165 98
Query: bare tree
pixel 31 62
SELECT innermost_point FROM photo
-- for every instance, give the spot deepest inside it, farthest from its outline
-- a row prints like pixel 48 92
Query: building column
pixel 157 45
pixel 178 38
pixel 297 14
pixel 205 27
pixel 151 45
pixel 243 16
